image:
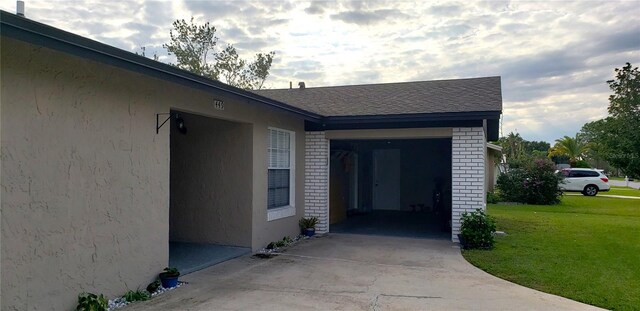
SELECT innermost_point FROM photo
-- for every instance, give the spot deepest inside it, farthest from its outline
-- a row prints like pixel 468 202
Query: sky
pixel 554 57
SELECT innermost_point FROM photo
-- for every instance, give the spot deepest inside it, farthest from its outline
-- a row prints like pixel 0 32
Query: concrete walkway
pixel 618 183
pixel 355 272
pixel 607 196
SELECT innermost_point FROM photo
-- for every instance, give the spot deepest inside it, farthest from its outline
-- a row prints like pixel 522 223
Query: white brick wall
pixel 316 179
pixel 468 155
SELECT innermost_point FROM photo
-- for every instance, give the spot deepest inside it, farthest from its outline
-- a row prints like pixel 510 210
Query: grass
pixel 586 249
pixel 623 191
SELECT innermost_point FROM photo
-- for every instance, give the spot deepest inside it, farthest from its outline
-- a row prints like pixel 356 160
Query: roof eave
pixel 449 119
pixel 33 32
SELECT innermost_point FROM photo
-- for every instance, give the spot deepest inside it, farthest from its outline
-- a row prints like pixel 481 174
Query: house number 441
pixel 218 104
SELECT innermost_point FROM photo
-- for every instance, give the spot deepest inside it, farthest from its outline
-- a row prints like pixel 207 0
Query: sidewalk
pixel 619 183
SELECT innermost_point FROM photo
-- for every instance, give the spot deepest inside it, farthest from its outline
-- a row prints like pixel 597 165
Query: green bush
pixel 477 230
pixel 137 295
pixel 92 302
pixel 533 183
pixel 582 164
pixel 306 223
pixel 493 197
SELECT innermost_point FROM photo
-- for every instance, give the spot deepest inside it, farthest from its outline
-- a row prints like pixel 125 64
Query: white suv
pixel 585 180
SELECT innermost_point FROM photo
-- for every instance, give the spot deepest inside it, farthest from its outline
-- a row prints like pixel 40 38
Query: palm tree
pixel 572 147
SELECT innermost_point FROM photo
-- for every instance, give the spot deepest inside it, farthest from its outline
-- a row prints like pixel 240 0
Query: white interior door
pixel 386 179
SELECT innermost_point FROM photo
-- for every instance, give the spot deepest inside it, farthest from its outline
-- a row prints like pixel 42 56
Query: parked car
pixel 585 180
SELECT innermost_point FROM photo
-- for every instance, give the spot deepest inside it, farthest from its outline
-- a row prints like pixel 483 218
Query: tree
pixel 534 148
pixel 518 151
pixel 195 49
pixel 512 148
pixel 617 137
pixel 572 147
pixel 143 52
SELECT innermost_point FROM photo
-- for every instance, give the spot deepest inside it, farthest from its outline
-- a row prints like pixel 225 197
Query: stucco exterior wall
pixel 85 181
pixel 85 177
pixel 268 231
pixel 209 166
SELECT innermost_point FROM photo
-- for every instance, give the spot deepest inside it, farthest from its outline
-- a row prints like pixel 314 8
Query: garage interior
pixel 210 190
pixel 395 187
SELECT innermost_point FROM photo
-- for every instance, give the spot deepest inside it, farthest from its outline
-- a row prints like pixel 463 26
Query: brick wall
pixel 316 179
pixel 468 155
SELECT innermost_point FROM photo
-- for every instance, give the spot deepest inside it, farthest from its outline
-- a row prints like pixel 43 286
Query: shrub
pixel 534 183
pixel 137 295
pixel 493 197
pixel 477 230
pixel 582 164
pixel 306 223
pixel 92 302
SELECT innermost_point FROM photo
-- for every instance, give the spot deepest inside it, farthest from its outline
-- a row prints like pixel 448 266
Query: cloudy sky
pixel 554 56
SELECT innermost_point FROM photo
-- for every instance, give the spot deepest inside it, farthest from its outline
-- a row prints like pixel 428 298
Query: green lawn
pixel 616 178
pixel 586 249
pixel 623 191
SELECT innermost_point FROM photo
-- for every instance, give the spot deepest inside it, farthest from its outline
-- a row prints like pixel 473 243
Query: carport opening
pixel 399 187
pixel 210 191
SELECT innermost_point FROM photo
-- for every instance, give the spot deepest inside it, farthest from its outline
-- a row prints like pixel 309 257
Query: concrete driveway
pixel 355 272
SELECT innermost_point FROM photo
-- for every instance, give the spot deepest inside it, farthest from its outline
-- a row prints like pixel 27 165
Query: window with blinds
pixel 279 168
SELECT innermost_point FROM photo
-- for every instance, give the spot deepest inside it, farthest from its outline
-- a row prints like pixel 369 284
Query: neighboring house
pixel 94 186
pixel 492 166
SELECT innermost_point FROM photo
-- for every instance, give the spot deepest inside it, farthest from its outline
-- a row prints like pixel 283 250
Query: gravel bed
pixel 120 302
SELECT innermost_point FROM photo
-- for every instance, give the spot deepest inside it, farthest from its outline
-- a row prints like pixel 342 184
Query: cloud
pixel 318 7
pixel 367 18
pixel 554 57
pixel 445 10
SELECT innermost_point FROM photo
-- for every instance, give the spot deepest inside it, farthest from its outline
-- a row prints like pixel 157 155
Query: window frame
pixel 290 209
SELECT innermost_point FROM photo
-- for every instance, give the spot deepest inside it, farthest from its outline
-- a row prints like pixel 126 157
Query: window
pixel 280 196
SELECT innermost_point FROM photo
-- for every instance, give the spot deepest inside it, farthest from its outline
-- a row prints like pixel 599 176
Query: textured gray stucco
pixel 211 190
pixel 85 177
pixel 85 181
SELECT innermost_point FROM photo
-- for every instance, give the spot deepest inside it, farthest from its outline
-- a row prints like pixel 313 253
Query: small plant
pixel 153 286
pixel 171 272
pixel 280 243
pixel 493 197
pixel 307 223
pixel 477 230
pixel 169 278
pixel 92 302
pixel 137 295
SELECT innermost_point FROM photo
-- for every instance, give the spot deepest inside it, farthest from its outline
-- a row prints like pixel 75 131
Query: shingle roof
pixel 459 95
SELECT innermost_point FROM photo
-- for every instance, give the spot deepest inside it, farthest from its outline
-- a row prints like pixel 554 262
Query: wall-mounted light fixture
pixel 179 122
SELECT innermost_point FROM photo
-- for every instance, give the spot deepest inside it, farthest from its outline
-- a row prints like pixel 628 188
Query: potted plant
pixel 308 225
pixel 169 278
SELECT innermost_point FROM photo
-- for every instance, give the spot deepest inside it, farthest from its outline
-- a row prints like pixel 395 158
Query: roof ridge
pixel 383 83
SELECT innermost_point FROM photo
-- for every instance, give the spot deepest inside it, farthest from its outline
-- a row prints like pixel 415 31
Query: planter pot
pixel 169 281
pixel 309 232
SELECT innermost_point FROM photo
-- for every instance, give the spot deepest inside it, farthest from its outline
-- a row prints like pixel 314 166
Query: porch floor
pixel 191 257
pixel 393 223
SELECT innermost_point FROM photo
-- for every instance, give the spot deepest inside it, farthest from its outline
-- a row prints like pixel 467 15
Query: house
pixel 108 156
pixel 493 165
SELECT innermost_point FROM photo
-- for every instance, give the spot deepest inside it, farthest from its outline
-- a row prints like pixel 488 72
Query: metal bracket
pixel 158 125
